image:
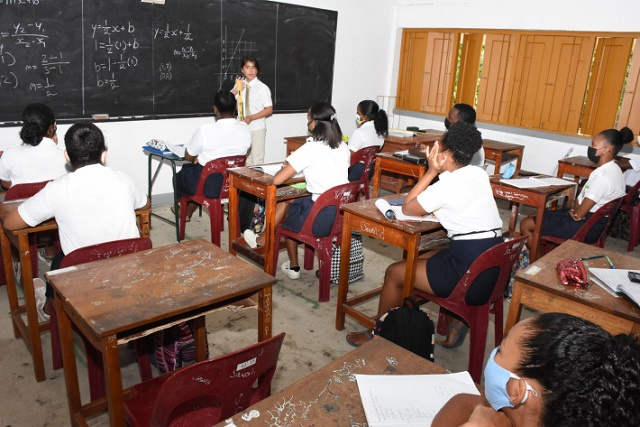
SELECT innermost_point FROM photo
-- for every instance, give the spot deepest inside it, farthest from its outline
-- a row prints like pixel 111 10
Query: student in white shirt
pixel 462 200
pixel 606 183
pixel 226 137
pixel 38 158
pixel 373 126
pixel 257 109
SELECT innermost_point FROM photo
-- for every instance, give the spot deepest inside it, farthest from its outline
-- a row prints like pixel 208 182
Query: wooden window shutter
pixel 469 69
pixel 439 74
pixel 630 110
pixel 411 73
pixel 495 77
pixel 605 86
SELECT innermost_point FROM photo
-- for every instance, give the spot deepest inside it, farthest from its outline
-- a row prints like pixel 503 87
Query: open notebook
pixel 614 280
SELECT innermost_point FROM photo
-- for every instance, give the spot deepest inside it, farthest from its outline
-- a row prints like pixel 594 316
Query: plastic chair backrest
pixel 503 256
pixel 219 166
pixel 366 155
pixel 336 196
pixel 216 389
pixel 23 191
pixel 607 210
pixel 631 196
pixel 105 250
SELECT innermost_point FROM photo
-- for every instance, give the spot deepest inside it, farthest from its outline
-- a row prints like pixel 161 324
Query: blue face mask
pixel 495 384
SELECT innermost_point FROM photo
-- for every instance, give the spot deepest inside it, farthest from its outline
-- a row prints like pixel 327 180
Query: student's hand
pixel 435 158
pixel 248 119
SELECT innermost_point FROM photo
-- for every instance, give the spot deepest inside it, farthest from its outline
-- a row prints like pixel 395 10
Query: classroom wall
pixel 542 149
pixel 364 46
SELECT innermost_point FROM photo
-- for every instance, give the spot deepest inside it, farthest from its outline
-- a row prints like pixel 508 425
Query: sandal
pixel 356 339
pixel 173 211
pixel 461 329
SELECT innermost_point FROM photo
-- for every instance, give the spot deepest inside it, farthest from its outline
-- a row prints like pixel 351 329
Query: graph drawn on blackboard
pixel 231 54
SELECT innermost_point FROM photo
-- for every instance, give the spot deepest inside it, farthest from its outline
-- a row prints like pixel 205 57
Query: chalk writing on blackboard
pixel 115 47
pixel 231 56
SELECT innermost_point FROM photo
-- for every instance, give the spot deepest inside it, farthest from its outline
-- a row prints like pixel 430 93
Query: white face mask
pixel 359 120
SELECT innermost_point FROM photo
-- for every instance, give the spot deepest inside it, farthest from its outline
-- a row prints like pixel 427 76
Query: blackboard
pixel 132 58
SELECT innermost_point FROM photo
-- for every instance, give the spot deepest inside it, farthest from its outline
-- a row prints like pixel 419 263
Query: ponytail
pixel 327 128
pixel 618 138
pixel 372 111
pixel 37 119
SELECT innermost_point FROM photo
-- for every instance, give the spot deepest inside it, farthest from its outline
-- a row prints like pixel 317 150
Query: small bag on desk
pixel 356 260
pixel 572 272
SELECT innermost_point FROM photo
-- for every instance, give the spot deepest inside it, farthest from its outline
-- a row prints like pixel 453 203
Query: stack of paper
pixel 535 181
pixel 395 212
pixel 614 280
pixel 409 400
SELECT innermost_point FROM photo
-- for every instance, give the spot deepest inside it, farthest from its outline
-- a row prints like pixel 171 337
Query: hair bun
pixel 31 134
pixel 627 135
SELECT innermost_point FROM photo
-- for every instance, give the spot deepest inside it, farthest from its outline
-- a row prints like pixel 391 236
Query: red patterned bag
pixel 572 273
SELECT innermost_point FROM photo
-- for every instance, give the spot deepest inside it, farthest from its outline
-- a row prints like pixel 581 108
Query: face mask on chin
pixel 359 120
pixel 591 154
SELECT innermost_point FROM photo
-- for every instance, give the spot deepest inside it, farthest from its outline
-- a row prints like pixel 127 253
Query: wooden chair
pixel 606 211
pixel 24 191
pixel 631 206
pixel 332 198
pixel 208 392
pixel 367 156
pixel 214 206
pixel 94 357
pixel 502 256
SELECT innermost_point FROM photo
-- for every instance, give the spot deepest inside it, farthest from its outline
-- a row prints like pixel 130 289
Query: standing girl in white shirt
pixel 373 126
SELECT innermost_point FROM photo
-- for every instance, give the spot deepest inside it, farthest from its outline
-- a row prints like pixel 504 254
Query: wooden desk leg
pixel 265 313
pixel 69 361
pixel 376 180
pixel 113 380
pixel 145 225
pixel 269 230
pixel 35 344
pixel 14 304
pixel 498 163
pixel 513 219
pixel 515 307
pixel 343 280
pixel 535 239
pixel 200 337
pixel 520 154
pixel 233 213
pixel 410 275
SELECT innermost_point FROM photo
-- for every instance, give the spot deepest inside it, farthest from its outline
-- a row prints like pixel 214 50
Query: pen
pixel 609 261
pixel 593 257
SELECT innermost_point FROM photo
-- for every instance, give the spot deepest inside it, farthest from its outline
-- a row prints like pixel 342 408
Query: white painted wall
pixel 364 46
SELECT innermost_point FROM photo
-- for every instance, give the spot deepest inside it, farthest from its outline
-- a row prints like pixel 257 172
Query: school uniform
pixel 224 138
pixel 478 158
pixel 259 99
pixel 27 163
pixel 605 184
pixel 323 168
pixel 632 176
pixel 463 202
pixel 92 205
pixel 363 137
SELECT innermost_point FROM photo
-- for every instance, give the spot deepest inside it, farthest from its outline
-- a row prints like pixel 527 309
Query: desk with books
pixel 388 162
pixel 539 287
pixel 579 167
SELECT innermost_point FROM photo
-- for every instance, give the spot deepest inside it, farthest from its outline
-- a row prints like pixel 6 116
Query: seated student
pixel 324 158
pixel 372 128
pixel 554 370
pixel 463 202
pixel 226 137
pixel 38 158
pixel 606 183
pixel 93 204
pixel 465 113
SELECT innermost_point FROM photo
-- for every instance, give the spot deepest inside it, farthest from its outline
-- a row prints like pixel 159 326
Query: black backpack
pixel 409 327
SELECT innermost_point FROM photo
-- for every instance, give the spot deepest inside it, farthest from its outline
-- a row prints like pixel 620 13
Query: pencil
pixel 609 261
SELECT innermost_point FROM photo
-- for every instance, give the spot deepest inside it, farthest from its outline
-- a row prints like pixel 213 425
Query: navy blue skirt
pixel 559 224
pixel 188 177
pixel 446 268
pixel 299 211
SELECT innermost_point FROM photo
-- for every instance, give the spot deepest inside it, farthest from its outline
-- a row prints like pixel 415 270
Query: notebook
pixel 406 156
pixel 536 181
pixel 615 280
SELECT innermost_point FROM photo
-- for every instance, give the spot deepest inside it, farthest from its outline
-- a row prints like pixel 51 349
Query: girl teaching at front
pixel 605 184
pixel 373 126
pixel 463 202
pixel 324 158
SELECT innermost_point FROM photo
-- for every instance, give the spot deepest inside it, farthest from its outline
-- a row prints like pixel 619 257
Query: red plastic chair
pixel 367 156
pixel 24 191
pixel 94 357
pixel 336 196
pixel 608 210
pixel 503 256
pixel 631 206
pixel 207 392
pixel 214 206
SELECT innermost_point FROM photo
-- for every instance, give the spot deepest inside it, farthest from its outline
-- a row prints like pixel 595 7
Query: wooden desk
pixel 498 151
pixel 388 163
pixel 116 300
pixel 330 396
pixel 364 216
pixel 261 185
pixel 580 167
pixel 151 180
pixel 544 292
pixel 536 197
pixel 30 331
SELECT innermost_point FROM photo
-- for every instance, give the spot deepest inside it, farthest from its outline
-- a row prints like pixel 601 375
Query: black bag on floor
pixel 409 327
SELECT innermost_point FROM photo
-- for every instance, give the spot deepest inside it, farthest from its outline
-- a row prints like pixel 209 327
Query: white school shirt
pixel 463 202
pixel 365 136
pixel 478 158
pixel 26 163
pixel 323 167
pixel 605 184
pixel 92 205
pixel 632 176
pixel 224 138
pixel 259 99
